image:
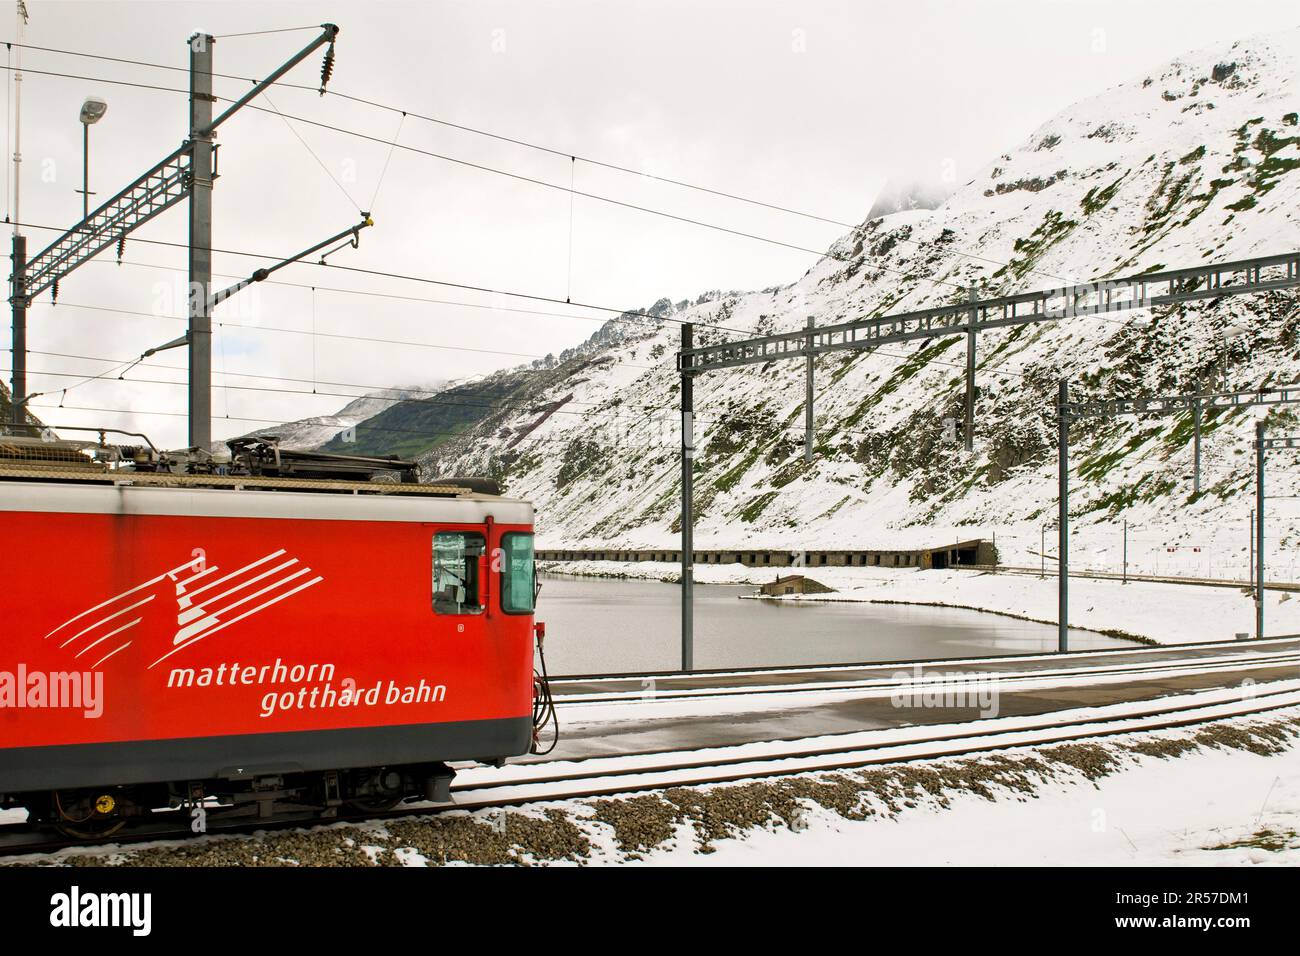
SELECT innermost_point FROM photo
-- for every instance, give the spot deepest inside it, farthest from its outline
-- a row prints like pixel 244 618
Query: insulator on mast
pixel 121 247
pixel 327 68
pixel 54 291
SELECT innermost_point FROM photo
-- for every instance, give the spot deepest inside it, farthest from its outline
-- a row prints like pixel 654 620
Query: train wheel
pixel 380 804
pixel 383 791
pixel 90 817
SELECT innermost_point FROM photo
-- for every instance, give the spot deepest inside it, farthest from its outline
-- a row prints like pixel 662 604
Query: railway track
pixel 1132 576
pixel 607 775
pixel 823 682
pixel 551 780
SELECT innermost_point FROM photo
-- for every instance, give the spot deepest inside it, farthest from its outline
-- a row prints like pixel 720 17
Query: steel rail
pixel 946 681
pixel 859 755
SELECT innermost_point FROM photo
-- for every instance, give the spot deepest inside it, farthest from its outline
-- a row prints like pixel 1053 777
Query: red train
pixel 282 630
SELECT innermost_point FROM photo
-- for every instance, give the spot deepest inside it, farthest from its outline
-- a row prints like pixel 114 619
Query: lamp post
pixel 92 111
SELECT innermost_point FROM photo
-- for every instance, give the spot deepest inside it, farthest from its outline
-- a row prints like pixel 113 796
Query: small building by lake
pixel 793 584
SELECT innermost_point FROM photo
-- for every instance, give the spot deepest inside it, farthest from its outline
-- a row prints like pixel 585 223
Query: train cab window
pixel 518 576
pixel 456 563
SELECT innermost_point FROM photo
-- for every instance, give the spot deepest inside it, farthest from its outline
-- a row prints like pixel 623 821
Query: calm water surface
pixel 604 626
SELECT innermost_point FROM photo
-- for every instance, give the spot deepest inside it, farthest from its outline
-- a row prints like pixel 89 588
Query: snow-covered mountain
pixel 903 196
pixel 318 430
pixel 1194 162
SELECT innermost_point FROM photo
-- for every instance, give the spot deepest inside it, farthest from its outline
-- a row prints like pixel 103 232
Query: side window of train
pixel 517 573
pixel 456 566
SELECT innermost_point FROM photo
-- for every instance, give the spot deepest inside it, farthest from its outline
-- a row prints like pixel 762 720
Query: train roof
pixel 199 499
pixel 44 473
pixel 35 472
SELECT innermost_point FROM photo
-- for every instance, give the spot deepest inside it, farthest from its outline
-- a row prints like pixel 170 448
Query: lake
pixel 608 625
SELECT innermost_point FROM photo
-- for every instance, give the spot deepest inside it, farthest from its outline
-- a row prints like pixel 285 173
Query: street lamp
pixel 92 111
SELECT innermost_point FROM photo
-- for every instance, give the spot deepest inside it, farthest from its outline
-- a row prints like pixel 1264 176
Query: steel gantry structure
pixel 187 173
pixel 1263 444
pixel 969 316
pixel 1068 412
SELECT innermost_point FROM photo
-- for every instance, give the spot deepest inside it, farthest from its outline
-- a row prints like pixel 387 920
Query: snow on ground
pixel 1202 796
pixel 1162 813
pixel 1164 613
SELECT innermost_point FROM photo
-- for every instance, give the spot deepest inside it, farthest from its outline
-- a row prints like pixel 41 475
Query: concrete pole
pixel 968 436
pixel 1196 447
pixel 16 194
pixel 808 435
pixel 85 171
pixel 688 514
pixel 1259 531
pixel 18 300
pixel 1063 518
pixel 200 243
pixel 1125 574
pixel 1250 568
pixel 18 289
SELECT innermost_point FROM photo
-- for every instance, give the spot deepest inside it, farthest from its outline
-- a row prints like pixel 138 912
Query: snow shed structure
pixel 977 552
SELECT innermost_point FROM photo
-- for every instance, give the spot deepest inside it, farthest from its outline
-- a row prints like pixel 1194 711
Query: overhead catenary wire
pixel 617 314
pixel 539 406
pixel 118 363
pixel 866 352
pixel 415 396
pixel 361 292
pixel 320 162
pixel 877 351
pixel 392 147
pixel 412 395
pixel 596 197
pixel 477 131
pixel 84 381
pixel 262 33
pixel 425 433
pixel 405 343
pixel 881 352
pixel 462 402
pixel 408 343
pixel 669 442
pixel 96 79
pixel 642 174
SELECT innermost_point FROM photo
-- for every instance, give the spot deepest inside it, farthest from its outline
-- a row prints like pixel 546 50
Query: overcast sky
pixel 811 104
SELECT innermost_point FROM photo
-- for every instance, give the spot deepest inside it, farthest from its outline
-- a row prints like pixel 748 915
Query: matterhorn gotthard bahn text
pixel 1193 162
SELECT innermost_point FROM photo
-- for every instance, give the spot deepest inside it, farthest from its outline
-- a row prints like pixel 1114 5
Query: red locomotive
pixel 282 629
